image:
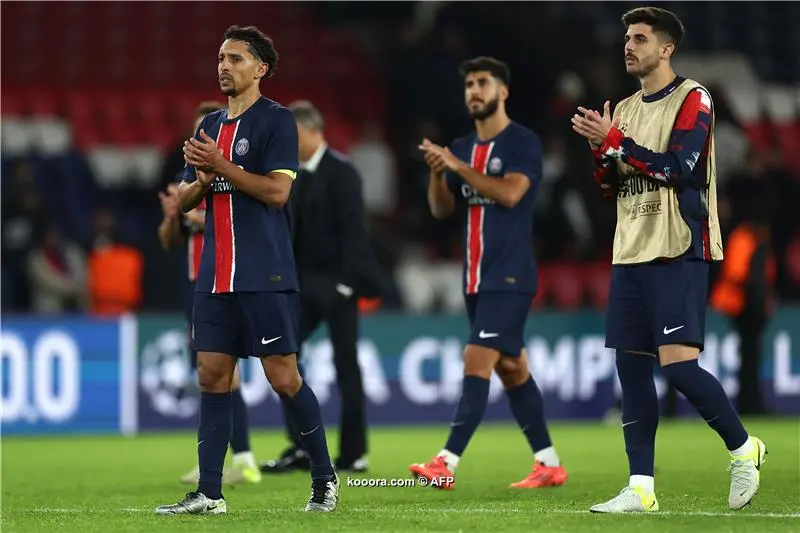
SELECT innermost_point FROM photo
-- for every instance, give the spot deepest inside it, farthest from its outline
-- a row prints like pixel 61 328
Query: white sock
pixel 450 459
pixel 744 449
pixel 648 483
pixel 547 456
pixel 245 459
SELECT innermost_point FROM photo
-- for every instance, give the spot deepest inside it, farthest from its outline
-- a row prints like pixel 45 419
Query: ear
pixel 667 51
pixel 504 92
pixel 262 70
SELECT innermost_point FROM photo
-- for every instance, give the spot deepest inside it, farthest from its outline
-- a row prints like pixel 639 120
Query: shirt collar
pixel 665 91
pixel 313 161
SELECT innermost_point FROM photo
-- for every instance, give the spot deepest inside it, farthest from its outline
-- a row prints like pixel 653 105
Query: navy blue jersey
pixel 498 248
pixel 247 245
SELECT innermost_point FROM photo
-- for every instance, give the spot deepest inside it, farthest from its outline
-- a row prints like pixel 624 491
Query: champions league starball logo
pixel 166 376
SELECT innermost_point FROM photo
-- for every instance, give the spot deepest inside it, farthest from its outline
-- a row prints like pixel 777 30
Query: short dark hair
pixel 258 44
pixel 208 107
pixel 493 66
pixel 662 21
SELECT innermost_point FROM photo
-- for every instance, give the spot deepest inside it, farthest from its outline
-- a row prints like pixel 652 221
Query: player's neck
pixel 241 102
pixel 491 127
pixel 657 80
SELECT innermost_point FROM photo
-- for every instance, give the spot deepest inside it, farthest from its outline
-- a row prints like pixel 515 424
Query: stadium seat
pixel 544 292
pixel 52 136
pixel 567 286
pixel 17 137
pixel 597 281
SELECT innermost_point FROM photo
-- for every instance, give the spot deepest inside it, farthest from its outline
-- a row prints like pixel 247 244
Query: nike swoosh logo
pixel 629 423
pixel 484 335
pixel 671 330
pixel 309 432
pixel 265 341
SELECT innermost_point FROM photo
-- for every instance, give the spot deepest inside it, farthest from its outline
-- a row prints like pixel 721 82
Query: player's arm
pixel 194 183
pixel 197 218
pixel 191 193
pixel 606 174
pixel 524 168
pixel 278 166
pixel 441 200
pixel 506 192
pixel 169 232
pixel 272 188
pixel 675 167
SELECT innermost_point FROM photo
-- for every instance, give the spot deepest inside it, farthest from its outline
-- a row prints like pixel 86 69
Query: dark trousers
pixel 750 327
pixel 319 302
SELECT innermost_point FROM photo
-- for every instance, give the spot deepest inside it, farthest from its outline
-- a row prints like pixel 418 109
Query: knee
pixel 286 383
pixel 512 371
pixel 284 379
pixel 213 376
pixel 480 361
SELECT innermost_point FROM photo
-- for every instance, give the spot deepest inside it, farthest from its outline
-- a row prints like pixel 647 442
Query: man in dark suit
pixel 336 266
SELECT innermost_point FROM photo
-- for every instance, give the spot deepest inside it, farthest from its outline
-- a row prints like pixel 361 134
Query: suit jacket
pixel 331 242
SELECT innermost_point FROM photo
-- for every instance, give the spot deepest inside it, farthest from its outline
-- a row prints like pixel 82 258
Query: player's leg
pixel 681 319
pixel 216 335
pixel 245 469
pixel 527 406
pixel 273 320
pixel 480 357
pixel 193 475
pixel 301 402
pixel 294 456
pixel 628 331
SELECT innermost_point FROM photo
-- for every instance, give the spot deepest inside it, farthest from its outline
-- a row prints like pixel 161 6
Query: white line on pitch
pixel 434 510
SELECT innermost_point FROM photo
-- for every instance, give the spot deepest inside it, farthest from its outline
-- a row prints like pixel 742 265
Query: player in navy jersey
pixel 655 157
pixel 242 162
pixel 177 226
pixel 495 171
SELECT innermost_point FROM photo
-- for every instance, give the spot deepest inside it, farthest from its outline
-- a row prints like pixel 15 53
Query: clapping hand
pixel 594 126
pixel 204 156
pixel 439 159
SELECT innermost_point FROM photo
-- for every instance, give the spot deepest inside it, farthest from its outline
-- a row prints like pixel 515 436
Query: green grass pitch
pixel 111 484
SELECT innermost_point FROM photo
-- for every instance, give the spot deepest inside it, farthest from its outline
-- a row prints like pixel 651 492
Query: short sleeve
pixel 280 153
pixel 188 173
pixel 526 158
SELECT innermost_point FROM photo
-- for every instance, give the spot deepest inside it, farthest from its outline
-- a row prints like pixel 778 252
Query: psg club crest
pixel 242 146
pixel 495 165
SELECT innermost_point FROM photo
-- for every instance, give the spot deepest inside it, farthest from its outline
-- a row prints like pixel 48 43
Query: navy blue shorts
pixel 657 304
pixel 497 320
pixel 246 324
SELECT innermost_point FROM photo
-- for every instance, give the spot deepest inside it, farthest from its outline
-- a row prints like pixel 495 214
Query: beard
pixel 644 66
pixel 230 90
pixel 488 109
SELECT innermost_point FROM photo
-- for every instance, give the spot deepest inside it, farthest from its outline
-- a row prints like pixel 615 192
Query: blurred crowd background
pixel 98 97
